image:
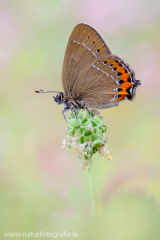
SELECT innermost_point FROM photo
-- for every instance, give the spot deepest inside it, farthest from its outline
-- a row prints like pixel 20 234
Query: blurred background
pixel 42 187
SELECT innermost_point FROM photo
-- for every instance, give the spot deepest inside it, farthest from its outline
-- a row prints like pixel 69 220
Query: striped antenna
pixel 42 91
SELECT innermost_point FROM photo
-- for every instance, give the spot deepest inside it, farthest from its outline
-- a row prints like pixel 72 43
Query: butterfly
pixel 92 76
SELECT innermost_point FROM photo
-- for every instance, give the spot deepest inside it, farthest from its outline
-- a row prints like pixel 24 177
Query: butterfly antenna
pixel 42 91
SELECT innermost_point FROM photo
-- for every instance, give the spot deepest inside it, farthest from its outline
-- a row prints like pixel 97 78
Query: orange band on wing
pixel 120 98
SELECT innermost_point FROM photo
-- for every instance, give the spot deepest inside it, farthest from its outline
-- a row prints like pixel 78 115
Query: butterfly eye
pixel 59 97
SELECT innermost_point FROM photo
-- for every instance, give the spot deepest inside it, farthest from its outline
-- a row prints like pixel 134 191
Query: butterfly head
pixel 59 98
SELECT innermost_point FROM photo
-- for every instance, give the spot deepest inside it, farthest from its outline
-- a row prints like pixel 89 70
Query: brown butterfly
pixel 92 76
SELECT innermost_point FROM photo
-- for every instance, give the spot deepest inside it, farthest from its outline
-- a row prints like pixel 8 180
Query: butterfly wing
pixel 85 45
pixel 105 82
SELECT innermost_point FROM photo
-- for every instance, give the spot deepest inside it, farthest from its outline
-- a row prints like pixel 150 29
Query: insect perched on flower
pixel 92 76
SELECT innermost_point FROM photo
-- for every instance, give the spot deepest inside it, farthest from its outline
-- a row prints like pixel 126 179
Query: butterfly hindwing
pixel 103 83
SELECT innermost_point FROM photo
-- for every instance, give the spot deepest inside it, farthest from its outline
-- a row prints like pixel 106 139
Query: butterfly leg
pixel 84 105
pixel 73 109
pixel 64 111
pixel 67 115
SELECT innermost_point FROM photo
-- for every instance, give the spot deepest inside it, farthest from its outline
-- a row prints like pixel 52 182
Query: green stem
pixel 91 185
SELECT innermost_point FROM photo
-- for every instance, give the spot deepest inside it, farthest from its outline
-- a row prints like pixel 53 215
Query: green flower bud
pixel 75 122
pixel 69 146
pixel 71 132
pixel 87 135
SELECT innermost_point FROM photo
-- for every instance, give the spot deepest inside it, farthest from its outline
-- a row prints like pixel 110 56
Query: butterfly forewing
pixel 84 47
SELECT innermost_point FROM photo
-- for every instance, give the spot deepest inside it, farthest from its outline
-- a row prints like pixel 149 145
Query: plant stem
pixel 91 185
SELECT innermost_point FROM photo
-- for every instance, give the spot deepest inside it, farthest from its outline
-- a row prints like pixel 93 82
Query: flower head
pixel 87 135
